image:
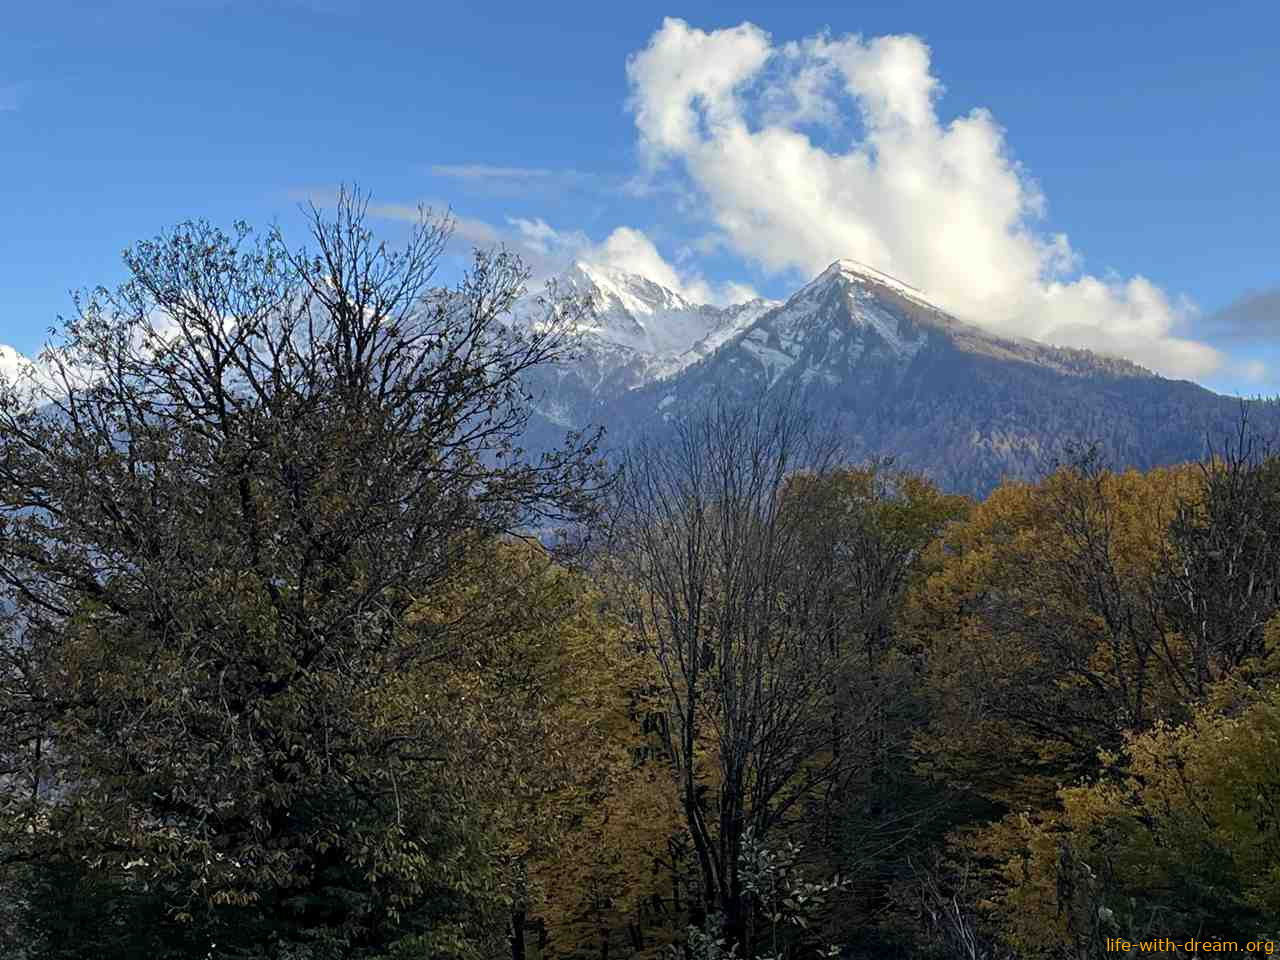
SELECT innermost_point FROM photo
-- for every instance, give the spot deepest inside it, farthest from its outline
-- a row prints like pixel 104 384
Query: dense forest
pixel 303 658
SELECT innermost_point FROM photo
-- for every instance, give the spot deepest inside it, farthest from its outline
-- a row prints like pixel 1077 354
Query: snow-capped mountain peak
pixel 644 316
pixel 637 331
pixel 638 295
pixel 846 273
pixel 895 375
pixel 847 311
pixel 635 320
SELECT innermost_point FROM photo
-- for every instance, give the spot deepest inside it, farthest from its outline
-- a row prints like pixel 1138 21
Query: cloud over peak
pixel 832 146
pixel 627 249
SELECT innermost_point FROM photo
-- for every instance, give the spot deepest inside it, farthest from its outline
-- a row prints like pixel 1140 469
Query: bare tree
pixel 1220 580
pixel 713 544
pixel 946 892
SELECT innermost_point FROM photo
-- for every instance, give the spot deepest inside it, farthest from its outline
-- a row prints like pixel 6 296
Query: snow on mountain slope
pixel 634 312
pixel 647 352
pixel 851 310
pixel 892 375
pixel 638 331
pixel 830 322
pixel 732 321
pixel 852 332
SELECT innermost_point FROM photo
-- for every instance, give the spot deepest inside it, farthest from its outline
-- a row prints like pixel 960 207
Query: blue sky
pixel 1116 187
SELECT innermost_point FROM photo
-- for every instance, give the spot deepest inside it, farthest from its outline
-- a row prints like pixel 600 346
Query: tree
pixel 1220 576
pixel 550 703
pixel 762 581
pixel 247 465
pixel 1102 657
pixel 1043 632
pixel 874 530
pixel 1091 604
pixel 720 599
pixel 1177 838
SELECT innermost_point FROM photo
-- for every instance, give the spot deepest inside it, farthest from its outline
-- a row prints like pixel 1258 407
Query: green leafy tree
pixel 246 466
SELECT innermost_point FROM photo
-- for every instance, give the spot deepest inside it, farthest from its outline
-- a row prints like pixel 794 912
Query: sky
pixel 1094 174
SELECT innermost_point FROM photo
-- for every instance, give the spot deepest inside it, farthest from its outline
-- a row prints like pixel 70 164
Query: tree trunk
pixel 517 934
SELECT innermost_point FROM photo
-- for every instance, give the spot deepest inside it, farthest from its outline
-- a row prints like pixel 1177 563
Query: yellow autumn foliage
pixel 552 701
pixel 1038 632
pixel 1179 838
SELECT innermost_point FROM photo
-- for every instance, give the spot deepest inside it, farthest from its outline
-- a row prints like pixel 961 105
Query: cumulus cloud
pixel 831 147
pixel 631 250
pixel 626 249
pixel 548 250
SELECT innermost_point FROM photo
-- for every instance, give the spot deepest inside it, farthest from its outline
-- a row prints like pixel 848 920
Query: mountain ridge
pixel 896 376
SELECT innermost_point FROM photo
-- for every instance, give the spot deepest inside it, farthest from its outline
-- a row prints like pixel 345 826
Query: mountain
pixel 894 374
pixel 639 332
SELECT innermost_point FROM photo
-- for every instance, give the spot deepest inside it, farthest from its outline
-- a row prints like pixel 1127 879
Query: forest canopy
pixel 302 656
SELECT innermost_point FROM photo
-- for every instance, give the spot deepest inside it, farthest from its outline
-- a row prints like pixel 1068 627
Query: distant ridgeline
pixel 895 375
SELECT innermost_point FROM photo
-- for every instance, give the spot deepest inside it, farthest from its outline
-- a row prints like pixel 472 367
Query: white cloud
pixel 626 248
pixel 629 249
pixel 475 232
pixel 545 249
pixel 482 171
pixel 832 147
pixel 538 236
pixel 548 250
pixel 520 182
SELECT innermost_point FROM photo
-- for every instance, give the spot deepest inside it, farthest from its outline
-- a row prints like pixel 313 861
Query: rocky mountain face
pixel 891 373
pixel 640 332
